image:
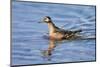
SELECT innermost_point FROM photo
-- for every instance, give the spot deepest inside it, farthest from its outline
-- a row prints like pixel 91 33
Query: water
pixel 29 44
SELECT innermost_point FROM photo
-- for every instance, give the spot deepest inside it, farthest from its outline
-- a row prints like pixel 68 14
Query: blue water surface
pixel 28 42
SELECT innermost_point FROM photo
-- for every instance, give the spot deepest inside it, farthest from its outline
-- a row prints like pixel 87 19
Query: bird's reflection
pixel 47 53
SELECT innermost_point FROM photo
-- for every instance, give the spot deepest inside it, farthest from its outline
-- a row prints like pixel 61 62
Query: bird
pixel 57 33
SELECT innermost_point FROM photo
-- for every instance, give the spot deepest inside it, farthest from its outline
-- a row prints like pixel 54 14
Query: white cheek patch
pixel 46 19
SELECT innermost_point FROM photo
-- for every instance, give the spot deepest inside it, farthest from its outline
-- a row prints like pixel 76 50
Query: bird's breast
pixel 56 35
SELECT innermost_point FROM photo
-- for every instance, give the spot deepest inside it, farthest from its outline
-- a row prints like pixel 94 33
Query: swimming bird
pixel 59 33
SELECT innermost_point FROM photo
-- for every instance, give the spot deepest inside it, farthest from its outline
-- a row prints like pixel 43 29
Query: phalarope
pixel 59 33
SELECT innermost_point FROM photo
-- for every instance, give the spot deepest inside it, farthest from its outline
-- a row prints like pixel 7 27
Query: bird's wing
pixel 57 29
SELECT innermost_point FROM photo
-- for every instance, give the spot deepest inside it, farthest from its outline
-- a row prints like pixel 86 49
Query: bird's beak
pixel 40 22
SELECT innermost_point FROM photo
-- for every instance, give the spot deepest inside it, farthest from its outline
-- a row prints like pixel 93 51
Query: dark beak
pixel 40 22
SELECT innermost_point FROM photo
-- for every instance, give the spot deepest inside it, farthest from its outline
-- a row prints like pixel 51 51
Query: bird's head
pixel 47 19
